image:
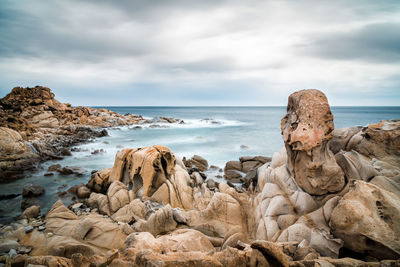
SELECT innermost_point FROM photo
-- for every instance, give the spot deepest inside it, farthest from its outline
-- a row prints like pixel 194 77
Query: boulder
pixel 306 129
pixel 15 155
pixel 366 218
pixel 83 192
pixel 31 212
pixel 196 162
pixel 31 190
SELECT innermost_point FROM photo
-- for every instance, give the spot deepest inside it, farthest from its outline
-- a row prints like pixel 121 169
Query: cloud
pixel 377 42
pixel 183 52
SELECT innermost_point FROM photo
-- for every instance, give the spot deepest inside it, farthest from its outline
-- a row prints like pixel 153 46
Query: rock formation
pixel 35 126
pixel 306 129
pixel 327 195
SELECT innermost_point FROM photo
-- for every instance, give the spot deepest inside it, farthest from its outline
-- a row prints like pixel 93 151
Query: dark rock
pixel 65 152
pixel 211 184
pixel 54 167
pixel 233 165
pixel 30 190
pixel 72 170
pixel 28 229
pixel 73 189
pixel 233 174
pixel 196 162
pixel 48 174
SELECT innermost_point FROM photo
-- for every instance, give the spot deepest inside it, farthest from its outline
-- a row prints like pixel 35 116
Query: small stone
pixel 48 174
pixel 87 209
pixel 49 234
pixel 42 228
pixel 105 216
pixel 28 229
pixel 24 250
pixel 12 253
pixel 77 205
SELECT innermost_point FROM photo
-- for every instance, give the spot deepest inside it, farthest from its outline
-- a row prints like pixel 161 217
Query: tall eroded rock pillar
pixel 306 129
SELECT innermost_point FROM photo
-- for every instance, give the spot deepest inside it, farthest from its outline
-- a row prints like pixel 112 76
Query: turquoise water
pixel 218 134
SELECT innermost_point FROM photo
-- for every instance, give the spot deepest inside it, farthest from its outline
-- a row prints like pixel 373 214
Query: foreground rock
pixel 148 211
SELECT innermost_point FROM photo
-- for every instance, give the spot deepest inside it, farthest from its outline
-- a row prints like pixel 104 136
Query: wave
pixel 188 123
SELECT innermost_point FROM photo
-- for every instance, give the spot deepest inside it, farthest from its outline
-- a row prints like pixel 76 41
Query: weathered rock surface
pixel 15 155
pixel 306 129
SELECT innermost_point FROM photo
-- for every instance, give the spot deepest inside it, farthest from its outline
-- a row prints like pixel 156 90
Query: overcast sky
pixel 202 52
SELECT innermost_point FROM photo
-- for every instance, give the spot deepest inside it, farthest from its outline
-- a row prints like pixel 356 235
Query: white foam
pixel 188 123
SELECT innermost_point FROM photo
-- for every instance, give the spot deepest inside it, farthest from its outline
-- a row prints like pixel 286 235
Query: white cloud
pixel 255 47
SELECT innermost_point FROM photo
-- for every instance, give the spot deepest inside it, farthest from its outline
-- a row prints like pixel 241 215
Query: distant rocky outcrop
pixel 36 127
pixel 328 198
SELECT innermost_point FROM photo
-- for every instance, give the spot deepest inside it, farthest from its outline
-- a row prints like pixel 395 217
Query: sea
pixel 218 134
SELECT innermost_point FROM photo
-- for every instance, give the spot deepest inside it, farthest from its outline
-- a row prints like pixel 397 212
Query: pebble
pixel 12 253
pixel 77 205
pixel 24 250
pixel 28 229
pixel 50 234
pixel 105 216
pixel 87 209
pixel 42 228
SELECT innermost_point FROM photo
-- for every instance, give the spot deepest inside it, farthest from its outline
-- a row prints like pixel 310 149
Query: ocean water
pixel 218 134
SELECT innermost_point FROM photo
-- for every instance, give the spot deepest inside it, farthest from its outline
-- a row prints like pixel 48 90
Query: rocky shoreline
pixel 36 127
pixel 328 198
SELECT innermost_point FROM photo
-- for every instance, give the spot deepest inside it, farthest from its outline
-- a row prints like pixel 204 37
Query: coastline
pixel 284 213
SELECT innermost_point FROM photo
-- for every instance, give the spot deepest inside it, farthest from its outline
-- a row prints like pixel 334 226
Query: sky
pixel 209 52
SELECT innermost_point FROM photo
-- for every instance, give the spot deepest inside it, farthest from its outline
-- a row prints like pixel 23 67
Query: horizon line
pixel 226 106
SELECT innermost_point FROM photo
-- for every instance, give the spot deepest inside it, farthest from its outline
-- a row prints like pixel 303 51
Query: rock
pixel 54 167
pixel 250 165
pixel 31 212
pixel 24 250
pixel 366 219
pixel 48 174
pixel 83 192
pixel 233 165
pixel 42 228
pixel 271 252
pixel 306 129
pixel 233 174
pixel 16 156
pixel 161 221
pixel 28 229
pixel 31 190
pixel 130 213
pixel 12 253
pixel 6 245
pixel 118 196
pixel 178 240
pixel 65 152
pixel 72 170
pixel 211 184
pixel 196 162
pixel 77 206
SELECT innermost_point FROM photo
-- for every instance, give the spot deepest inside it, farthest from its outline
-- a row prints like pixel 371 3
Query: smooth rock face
pixel 306 129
